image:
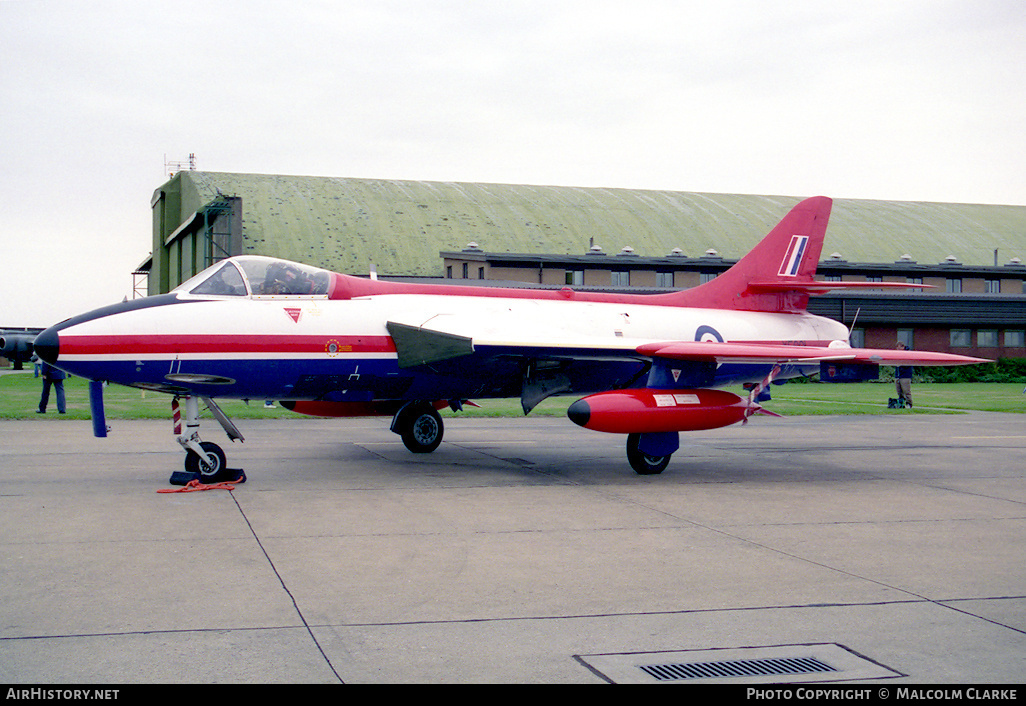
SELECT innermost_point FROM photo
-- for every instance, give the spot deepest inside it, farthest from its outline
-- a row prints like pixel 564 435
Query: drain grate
pixel 768 664
pixel 736 668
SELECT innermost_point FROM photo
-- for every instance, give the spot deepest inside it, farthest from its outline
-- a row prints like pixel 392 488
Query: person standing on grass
pixel 903 380
pixel 55 377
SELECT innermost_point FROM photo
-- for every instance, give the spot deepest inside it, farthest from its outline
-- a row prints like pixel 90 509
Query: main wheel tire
pixel 211 467
pixel 421 429
pixel 641 462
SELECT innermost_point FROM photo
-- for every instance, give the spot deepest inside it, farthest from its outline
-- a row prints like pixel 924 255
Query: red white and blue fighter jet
pixel 329 344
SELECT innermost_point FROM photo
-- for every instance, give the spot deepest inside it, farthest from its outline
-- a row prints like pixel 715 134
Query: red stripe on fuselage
pixel 222 343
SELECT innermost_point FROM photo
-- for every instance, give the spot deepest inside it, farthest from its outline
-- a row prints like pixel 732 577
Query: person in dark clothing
pixel 903 380
pixel 55 377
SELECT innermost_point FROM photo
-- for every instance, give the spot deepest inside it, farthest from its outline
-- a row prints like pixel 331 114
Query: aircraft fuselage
pixel 295 348
pixel 330 344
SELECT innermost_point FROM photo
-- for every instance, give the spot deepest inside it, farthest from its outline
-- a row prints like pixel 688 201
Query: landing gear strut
pixel 204 459
pixel 420 426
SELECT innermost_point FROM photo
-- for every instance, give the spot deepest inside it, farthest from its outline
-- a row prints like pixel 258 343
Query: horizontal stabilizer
pixel 419 346
pixel 817 287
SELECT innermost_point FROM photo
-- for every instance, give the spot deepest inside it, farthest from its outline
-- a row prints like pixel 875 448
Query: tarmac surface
pixel 521 551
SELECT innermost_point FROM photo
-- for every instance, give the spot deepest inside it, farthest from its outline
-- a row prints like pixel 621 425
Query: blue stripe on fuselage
pixel 364 379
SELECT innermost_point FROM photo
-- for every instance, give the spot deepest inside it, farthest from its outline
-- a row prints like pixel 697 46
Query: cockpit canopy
pixel 256 276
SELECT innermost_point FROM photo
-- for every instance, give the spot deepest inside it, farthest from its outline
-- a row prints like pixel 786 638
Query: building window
pixel 961 338
pixel 913 280
pixel 466 270
pixel 987 338
pixel 1015 339
pixel 706 277
pixel 832 278
pixel 992 286
pixel 448 271
pixel 575 277
pixel 664 279
pixel 905 335
pixel 480 273
pixel 954 286
pixel 857 339
pixel 621 279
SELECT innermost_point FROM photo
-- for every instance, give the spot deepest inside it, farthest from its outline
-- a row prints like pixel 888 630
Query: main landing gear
pixel 649 453
pixel 420 426
pixel 204 460
pixel 644 464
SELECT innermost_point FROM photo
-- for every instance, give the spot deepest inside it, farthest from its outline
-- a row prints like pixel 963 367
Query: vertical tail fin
pixel 775 275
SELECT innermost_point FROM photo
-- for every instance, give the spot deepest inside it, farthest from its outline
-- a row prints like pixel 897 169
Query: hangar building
pixel 608 238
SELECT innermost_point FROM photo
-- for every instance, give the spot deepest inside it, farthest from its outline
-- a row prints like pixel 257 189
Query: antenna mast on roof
pixel 172 168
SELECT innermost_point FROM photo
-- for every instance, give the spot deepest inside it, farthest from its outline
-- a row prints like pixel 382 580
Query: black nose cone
pixel 579 412
pixel 48 345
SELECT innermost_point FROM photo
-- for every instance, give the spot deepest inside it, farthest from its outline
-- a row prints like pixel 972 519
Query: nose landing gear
pixel 204 460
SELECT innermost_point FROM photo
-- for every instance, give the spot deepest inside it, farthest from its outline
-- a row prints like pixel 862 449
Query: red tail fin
pixel 777 273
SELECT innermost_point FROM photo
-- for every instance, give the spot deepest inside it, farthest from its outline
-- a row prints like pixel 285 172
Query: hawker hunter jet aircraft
pixel 328 344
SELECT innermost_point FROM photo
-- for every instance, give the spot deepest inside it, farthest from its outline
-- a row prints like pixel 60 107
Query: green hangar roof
pixel 400 227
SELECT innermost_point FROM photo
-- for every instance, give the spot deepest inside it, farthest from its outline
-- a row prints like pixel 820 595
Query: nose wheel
pixel 210 466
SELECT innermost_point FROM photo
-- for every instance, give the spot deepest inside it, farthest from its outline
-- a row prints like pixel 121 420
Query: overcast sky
pixel 914 100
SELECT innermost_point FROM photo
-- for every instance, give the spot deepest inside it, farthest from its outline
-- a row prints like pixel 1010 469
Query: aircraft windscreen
pixel 269 277
pixel 226 282
pixel 252 275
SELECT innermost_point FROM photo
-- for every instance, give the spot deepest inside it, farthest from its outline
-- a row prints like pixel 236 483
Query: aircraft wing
pixel 712 351
pixel 887 356
pixel 419 345
pixel 422 345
